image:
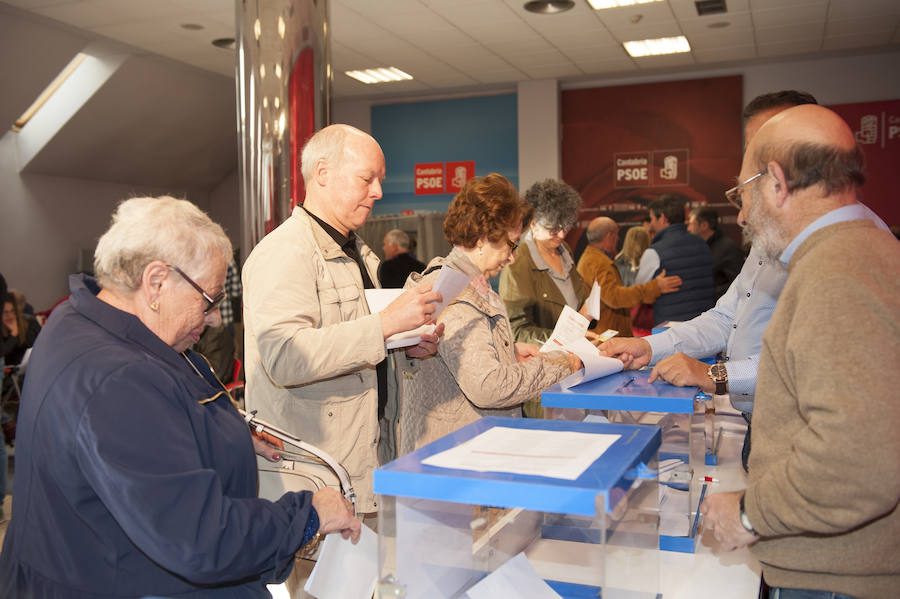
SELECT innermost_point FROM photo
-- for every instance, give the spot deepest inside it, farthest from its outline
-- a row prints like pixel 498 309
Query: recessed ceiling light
pixel 600 4
pixel 192 26
pixel 719 25
pixel 224 42
pixel 382 75
pixel 656 47
pixel 549 7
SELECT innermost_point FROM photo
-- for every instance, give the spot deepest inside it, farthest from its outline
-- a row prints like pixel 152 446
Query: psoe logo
pixel 868 129
pixel 670 168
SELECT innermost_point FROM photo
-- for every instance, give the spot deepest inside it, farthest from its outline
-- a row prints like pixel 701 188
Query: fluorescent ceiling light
pixel 49 91
pixel 662 45
pixel 598 4
pixel 383 75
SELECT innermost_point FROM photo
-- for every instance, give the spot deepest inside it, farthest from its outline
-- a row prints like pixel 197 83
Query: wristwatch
pixel 745 521
pixel 719 375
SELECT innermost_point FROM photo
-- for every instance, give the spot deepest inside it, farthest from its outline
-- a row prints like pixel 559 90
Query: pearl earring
pixel 154 306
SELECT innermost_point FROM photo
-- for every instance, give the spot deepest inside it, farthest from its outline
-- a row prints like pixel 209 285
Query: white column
pixel 539 131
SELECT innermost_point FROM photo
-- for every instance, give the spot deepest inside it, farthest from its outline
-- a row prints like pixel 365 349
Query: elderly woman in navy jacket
pixel 135 475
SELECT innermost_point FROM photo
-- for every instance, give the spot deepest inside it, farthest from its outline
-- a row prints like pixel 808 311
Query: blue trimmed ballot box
pixel 686 419
pixel 444 529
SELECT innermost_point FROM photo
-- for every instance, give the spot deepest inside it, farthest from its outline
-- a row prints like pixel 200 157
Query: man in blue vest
pixel 680 254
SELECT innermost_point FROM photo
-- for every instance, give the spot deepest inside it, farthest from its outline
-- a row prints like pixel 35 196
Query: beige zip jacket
pixel 474 373
pixel 311 345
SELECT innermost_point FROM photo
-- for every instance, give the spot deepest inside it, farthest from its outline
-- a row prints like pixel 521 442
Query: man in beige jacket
pixel 316 362
pixel 821 508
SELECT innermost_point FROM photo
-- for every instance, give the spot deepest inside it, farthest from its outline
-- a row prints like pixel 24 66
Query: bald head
pixel 813 145
pixel 603 233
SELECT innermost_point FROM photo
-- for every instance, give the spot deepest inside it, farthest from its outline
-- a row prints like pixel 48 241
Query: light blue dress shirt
pixel 737 322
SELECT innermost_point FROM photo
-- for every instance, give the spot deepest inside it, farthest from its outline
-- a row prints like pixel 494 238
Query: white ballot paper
pixel 593 302
pixel 450 283
pixel 345 570
pixel 568 335
pixel 554 454
pixel 515 578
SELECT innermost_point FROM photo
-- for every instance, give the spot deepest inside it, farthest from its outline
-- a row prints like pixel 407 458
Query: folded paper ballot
pixel 568 335
pixel 450 283
pixel 592 303
pixel 516 578
pixel 345 570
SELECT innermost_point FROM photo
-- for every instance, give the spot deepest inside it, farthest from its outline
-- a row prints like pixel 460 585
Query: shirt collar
pixel 838 215
pixel 342 240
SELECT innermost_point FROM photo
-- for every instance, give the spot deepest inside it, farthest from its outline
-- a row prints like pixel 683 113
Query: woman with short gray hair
pixel 133 464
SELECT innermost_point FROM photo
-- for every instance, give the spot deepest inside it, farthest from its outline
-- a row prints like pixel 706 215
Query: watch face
pixel 718 372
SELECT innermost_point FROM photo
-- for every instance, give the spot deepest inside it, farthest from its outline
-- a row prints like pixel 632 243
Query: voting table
pixel 442 530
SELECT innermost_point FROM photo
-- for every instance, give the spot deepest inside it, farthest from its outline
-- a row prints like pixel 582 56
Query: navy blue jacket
pixel 135 476
pixel 686 255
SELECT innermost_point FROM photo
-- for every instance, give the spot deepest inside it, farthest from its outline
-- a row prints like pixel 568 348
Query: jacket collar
pixel 119 323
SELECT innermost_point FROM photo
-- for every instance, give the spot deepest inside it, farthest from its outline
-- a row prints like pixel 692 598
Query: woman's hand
pixel 575 362
pixel 267 446
pixel 525 351
pixel 336 514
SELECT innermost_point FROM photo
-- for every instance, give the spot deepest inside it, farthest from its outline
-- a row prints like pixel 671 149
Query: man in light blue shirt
pixel 736 324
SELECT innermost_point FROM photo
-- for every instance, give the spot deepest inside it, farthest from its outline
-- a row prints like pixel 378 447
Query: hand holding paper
pixel 568 335
pixel 416 308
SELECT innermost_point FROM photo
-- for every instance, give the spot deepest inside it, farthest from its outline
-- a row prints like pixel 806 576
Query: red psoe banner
pixel 429 178
pixel 457 173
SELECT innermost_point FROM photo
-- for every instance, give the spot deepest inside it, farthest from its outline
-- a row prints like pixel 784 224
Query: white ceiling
pixel 455 45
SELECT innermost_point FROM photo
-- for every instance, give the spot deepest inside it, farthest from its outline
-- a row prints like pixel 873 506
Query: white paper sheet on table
pixel 450 283
pixel 345 570
pixel 555 454
pixel 516 578
pixel 568 334
pixel 592 303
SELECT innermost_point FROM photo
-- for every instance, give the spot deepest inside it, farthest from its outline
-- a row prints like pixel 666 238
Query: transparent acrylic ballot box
pixel 689 439
pixel 442 530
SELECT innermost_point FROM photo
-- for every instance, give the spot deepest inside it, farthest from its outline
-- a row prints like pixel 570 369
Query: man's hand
pixel 428 345
pixel 335 514
pixel 633 351
pixel 683 371
pixel 410 310
pixel 668 284
pixel 722 517
pixel 525 351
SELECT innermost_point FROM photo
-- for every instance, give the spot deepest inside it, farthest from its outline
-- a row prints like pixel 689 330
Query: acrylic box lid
pixel 628 390
pixel 407 476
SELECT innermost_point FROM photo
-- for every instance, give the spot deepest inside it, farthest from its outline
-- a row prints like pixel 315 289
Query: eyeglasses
pixel 554 230
pixel 733 195
pixel 211 302
pixel 513 245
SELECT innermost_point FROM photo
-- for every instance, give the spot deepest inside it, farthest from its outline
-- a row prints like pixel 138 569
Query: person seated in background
pixel 726 254
pixel 680 253
pixel 628 261
pixel 133 464
pixel 398 263
pixel 479 369
pixel 616 300
pixel 19 331
pixel 21 303
pixel 217 344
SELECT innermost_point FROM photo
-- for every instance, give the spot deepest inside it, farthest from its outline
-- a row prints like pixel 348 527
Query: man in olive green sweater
pixel 821 508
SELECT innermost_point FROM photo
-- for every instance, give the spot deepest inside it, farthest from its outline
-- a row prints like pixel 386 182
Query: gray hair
pixel 600 228
pixel 555 203
pixel 147 229
pixel 328 145
pixel 399 237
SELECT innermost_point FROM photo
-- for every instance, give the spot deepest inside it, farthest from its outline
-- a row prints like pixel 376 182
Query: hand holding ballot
pixel 634 352
pixel 409 310
pixel 569 335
